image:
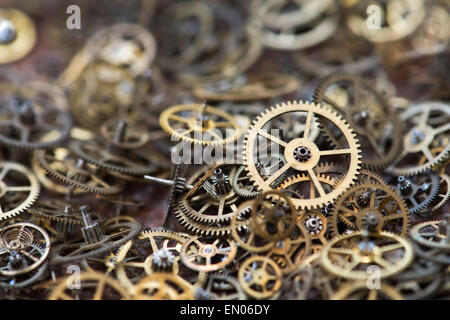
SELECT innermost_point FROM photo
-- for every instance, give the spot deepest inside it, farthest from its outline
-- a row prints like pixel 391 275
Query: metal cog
pixel 367 114
pixel 430 131
pixel 196 119
pixel 345 253
pixel 8 193
pixel 444 193
pixel 134 163
pixel 412 187
pixel 370 199
pixel 292 146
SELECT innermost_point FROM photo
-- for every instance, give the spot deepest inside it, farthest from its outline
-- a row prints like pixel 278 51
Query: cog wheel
pixel 62 164
pixel 19 189
pixel 348 256
pixel 418 191
pixel 93 285
pixel 443 195
pixel 207 253
pixel 296 146
pixel 27 247
pixel 242 185
pixel 430 130
pixel 134 259
pixel 212 199
pixel 432 234
pixel 372 206
pixel 164 286
pixel 260 277
pixel 29 123
pixel 202 124
pixel 360 291
pixel 98 152
pixel 368 113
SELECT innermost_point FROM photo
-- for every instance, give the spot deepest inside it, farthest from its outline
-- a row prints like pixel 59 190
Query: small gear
pixel 370 205
pixel 196 123
pixel 348 256
pixel 29 123
pixel 429 131
pixel 418 191
pixel 19 189
pixel 368 113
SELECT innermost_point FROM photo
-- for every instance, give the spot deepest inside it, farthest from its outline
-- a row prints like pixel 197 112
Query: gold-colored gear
pixel 94 285
pixel 27 245
pixel 429 234
pixel 273 216
pixel 241 232
pixel 260 277
pixel 11 190
pixel 22 37
pixel 348 256
pixel 360 291
pixel 208 253
pixel 135 256
pixel 289 253
pixel 428 133
pixel 370 200
pixel 164 286
pixel 297 146
pixel 182 121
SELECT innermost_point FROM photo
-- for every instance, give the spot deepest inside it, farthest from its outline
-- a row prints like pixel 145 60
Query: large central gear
pixel 350 153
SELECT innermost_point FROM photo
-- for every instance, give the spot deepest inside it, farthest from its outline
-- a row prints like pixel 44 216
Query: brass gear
pixel 29 121
pixel 260 277
pixel 430 131
pixel 370 200
pixel 163 286
pixel 11 201
pixel 360 291
pixel 348 256
pixel 62 164
pixel 101 285
pixel 292 146
pixel 27 245
pixel 369 114
pixel 207 253
pixel 199 120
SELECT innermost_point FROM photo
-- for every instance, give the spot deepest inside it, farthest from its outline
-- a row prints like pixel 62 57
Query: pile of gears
pixel 338 128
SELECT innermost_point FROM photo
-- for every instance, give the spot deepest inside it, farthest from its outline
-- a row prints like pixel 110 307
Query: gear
pixel 429 131
pixel 30 122
pixel 111 237
pixel 273 216
pixel 241 183
pixel 97 152
pixel 311 109
pixel 202 124
pixel 371 206
pixel 27 246
pixel 360 291
pixel 207 253
pixel 419 191
pixel 431 234
pixel 19 189
pixel 260 277
pixel 443 195
pixel 93 285
pixel 62 164
pixel 163 286
pixel 368 113
pixel 348 256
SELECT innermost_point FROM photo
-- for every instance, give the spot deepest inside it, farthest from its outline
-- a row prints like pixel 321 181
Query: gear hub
pixel 7 31
pixel 302 154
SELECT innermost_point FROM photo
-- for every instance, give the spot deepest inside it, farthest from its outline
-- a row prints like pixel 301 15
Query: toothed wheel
pixel 348 153
pixel 19 189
